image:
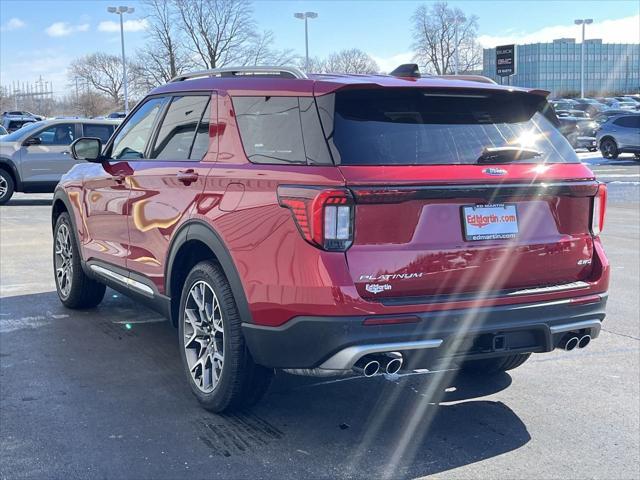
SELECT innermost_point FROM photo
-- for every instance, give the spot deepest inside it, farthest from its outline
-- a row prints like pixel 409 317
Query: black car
pixel 580 132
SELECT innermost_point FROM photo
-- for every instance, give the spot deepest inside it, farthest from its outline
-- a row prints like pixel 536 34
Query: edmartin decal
pixel 376 288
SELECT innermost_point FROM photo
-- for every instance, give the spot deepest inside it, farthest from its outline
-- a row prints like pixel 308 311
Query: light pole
pixel 121 11
pixel 583 22
pixel 457 21
pixel 305 16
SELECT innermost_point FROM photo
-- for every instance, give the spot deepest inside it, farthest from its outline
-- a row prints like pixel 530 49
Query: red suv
pixel 326 224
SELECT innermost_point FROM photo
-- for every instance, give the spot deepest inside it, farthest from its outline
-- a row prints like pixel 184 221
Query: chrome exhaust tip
pixel 584 341
pixel 394 365
pixel 569 342
pixel 367 367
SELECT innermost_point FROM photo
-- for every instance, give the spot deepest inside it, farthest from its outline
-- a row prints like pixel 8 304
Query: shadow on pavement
pixel 118 395
pixel 28 202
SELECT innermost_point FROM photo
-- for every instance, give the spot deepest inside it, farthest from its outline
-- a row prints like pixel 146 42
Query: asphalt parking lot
pixel 84 396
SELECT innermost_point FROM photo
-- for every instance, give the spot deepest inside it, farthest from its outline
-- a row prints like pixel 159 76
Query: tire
pixel 495 365
pixel 75 289
pixel 6 186
pixel 609 149
pixel 218 366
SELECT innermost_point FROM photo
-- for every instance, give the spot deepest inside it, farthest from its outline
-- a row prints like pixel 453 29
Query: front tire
pixel 609 149
pixel 6 186
pixel 495 365
pixel 217 363
pixel 75 289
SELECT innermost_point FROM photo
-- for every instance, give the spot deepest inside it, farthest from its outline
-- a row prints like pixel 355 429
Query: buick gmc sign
pixel 505 60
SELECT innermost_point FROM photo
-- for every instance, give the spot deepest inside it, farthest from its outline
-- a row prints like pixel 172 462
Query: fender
pixel 14 170
pixel 61 195
pixel 199 230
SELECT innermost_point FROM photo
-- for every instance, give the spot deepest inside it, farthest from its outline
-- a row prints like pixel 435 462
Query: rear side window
pixel 132 139
pixel 60 134
pixel 411 126
pixel 278 130
pixel 629 121
pixel 103 132
pixel 176 136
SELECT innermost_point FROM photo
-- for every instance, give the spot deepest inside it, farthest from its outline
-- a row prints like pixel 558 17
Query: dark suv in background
pixel 326 224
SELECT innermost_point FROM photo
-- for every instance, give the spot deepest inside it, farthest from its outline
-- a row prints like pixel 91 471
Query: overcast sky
pixel 41 37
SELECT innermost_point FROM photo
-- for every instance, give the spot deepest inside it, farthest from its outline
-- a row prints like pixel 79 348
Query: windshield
pixel 425 127
pixel 21 132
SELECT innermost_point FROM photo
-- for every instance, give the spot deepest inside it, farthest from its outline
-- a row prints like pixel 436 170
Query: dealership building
pixel 609 67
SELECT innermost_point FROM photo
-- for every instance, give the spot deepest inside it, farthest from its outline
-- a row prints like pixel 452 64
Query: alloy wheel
pixel 3 186
pixel 64 260
pixel 203 336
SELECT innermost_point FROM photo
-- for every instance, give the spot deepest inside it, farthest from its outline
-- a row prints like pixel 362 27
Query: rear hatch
pixel 459 193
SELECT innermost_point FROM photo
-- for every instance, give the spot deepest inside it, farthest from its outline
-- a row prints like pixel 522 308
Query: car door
pixel 106 188
pixel 45 154
pixel 167 183
pixel 629 136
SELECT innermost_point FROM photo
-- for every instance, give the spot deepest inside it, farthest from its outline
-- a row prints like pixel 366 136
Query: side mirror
pixel 87 148
pixel 32 141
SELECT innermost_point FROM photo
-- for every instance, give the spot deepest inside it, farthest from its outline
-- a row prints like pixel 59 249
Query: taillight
pixel 598 209
pixel 324 217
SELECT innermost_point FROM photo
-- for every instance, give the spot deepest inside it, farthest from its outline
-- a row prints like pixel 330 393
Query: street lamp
pixel 456 21
pixel 304 16
pixel 120 11
pixel 583 22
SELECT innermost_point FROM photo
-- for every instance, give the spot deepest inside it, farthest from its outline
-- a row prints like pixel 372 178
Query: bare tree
pixel 434 39
pixel 351 61
pixel 164 55
pixel 218 30
pixel 260 51
pixel 101 72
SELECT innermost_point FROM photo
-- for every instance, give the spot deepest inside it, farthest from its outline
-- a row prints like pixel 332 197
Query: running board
pixel 123 280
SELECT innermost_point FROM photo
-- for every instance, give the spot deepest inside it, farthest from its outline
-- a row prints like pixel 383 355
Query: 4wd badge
pixel 376 288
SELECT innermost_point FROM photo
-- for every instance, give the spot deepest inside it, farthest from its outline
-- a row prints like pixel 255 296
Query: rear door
pixel 166 183
pixel 459 193
pixel 45 155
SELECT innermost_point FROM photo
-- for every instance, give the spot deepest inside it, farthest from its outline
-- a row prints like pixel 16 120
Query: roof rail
pixel 286 72
pixel 470 78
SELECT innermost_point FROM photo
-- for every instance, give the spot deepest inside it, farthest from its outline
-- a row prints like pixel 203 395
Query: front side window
pixel 60 134
pixel 176 136
pixel 132 139
pixel 103 132
pixel 427 127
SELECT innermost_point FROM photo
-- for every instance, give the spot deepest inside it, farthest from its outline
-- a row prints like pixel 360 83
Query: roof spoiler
pixel 407 70
pixel 470 78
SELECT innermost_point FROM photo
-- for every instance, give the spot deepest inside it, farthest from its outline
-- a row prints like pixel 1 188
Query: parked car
pixel 563 104
pixel 623 104
pixel 589 105
pixel 611 112
pixel 620 134
pixel 33 158
pixel 117 115
pixel 15 122
pixel 327 225
pixel 579 132
pixel 572 113
pixel 22 113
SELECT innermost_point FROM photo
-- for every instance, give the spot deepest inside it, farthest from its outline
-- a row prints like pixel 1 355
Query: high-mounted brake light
pixel 324 216
pixel 598 209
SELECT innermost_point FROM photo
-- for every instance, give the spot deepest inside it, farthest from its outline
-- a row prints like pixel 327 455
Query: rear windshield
pixel 428 127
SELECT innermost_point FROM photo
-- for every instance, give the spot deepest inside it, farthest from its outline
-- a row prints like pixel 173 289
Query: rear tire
pixel 75 289
pixel 6 186
pixel 495 365
pixel 219 367
pixel 609 149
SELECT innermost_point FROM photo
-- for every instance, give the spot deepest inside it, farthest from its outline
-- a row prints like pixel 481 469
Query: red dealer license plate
pixel 490 222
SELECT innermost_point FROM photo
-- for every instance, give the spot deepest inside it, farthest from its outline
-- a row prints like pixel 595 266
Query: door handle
pixel 187 176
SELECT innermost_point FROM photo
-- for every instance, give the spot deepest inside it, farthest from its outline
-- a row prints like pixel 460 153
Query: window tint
pixel 270 129
pixel 132 139
pixel 103 132
pixel 201 142
pixel 422 127
pixel 630 121
pixel 281 130
pixel 60 134
pixel 176 135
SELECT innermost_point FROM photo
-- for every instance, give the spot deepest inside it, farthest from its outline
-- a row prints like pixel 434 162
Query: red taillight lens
pixel 324 217
pixel 598 209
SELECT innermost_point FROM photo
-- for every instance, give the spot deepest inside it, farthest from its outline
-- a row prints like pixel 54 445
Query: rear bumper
pixel 335 343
